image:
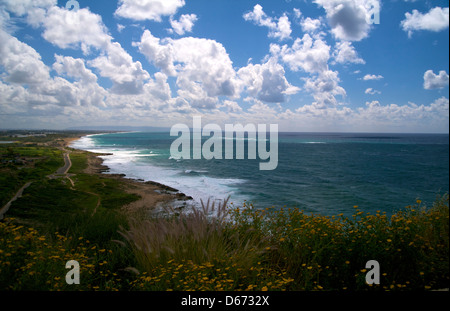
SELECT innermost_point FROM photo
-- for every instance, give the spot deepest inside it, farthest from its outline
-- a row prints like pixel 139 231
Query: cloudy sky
pixel 306 65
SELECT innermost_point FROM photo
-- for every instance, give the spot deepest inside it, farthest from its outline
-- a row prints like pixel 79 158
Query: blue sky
pixel 306 65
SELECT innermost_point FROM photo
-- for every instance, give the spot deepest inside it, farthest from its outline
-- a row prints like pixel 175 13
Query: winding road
pixel 60 171
pixel 67 164
pixel 19 193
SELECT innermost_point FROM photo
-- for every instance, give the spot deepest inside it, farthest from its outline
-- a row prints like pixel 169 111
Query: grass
pixel 53 223
pixel 289 250
pixel 30 260
pixel 320 252
pixel 41 161
pixel 240 248
pixel 253 250
pixel 197 251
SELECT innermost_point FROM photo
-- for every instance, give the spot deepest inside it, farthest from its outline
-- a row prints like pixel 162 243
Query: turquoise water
pixel 325 173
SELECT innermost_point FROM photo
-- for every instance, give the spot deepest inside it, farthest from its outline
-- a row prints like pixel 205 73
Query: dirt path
pixel 60 171
pixel 67 165
pixel 19 193
pixel 98 202
pixel 63 171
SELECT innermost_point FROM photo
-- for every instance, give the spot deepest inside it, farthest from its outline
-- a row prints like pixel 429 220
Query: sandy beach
pixel 152 194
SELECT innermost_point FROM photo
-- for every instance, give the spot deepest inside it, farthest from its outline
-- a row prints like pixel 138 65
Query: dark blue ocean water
pixel 325 173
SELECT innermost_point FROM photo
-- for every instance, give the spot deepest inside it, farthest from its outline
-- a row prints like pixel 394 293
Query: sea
pixel 320 173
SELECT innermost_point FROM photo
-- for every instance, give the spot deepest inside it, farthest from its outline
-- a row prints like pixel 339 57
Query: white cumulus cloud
pixel 141 10
pixel 266 82
pixel 202 67
pixel 436 19
pixel 345 53
pixel 311 55
pixel 184 24
pixel 23 7
pixel 82 29
pixel 128 76
pixel 325 87
pixel 369 77
pixel 310 25
pixel 349 18
pixel 75 29
pixel 307 53
pixel 73 67
pixel 21 62
pixel 434 81
pixel 32 91
pixel 371 91
pixel 280 29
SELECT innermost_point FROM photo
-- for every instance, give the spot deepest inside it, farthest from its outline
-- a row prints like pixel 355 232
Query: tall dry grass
pixel 288 249
pixel 201 235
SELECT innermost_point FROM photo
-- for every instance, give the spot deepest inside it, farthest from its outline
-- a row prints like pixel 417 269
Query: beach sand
pixel 152 195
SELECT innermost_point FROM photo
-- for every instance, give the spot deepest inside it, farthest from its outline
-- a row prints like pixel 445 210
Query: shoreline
pixel 154 196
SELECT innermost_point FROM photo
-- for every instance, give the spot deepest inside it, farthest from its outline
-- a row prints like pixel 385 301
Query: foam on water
pixel 84 143
pixel 324 173
pixel 132 163
pixel 191 183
